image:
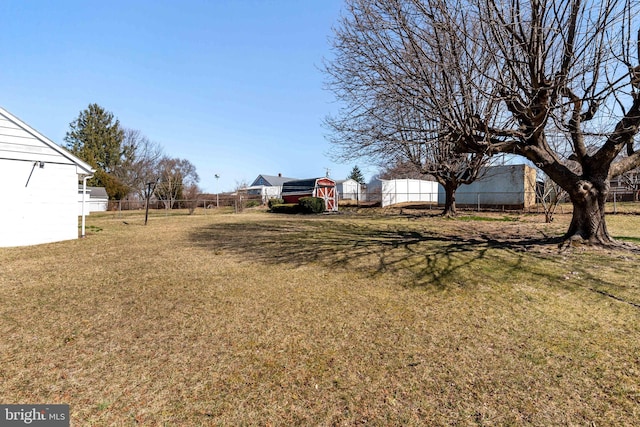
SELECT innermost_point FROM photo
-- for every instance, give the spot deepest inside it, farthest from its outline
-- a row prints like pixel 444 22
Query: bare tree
pixel 401 170
pixel 141 162
pixel 404 85
pixel 548 194
pixel 240 195
pixel 176 175
pixel 192 195
pixel 568 65
pixel 495 76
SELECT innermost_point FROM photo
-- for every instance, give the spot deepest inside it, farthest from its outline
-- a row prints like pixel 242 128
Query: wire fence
pixel 479 200
pixel 238 202
pixel 618 202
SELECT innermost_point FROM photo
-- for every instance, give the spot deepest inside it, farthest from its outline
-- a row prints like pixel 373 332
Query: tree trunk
pixel 588 221
pixel 450 200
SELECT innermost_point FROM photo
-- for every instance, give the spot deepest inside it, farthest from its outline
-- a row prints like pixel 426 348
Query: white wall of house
pixel 40 186
pixel 266 191
pixel 40 205
pixel 408 190
pixel 271 192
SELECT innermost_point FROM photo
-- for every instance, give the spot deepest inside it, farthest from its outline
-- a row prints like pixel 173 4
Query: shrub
pixel 288 208
pixel 306 205
pixel 311 205
pixel 274 201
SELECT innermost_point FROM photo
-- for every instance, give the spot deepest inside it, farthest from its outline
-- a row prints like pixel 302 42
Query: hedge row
pixel 306 205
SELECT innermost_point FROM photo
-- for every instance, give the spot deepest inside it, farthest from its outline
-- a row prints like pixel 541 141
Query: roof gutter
pixel 84 195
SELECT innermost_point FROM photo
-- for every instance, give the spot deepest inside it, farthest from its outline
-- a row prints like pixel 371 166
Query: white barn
pixel 40 186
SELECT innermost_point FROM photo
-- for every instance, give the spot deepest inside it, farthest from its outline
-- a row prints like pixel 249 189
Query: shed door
pixel 329 196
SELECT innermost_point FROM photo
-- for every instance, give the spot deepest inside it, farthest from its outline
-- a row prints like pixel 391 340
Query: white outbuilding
pixel 92 199
pixel 349 189
pixel 40 186
pixel 511 186
pixel 408 190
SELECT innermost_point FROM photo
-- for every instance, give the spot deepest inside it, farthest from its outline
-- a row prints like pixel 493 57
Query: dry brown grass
pixel 259 319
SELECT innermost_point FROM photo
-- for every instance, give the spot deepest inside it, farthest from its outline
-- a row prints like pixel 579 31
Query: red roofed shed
pixel 325 188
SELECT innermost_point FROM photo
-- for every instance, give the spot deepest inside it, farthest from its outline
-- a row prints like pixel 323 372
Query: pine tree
pixel 97 138
pixel 356 175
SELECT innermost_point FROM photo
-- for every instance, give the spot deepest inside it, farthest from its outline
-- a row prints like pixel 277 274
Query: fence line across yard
pixel 470 201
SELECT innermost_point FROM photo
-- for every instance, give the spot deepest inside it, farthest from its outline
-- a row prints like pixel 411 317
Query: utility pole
pixel 217 200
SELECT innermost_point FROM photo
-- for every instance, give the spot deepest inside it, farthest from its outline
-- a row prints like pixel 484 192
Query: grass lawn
pixel 263 319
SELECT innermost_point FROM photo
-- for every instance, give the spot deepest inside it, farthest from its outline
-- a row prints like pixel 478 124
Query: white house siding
pixel 42 210
pixel 408 190
pixel 265 191
pixel 40 204
pixel 273 192
pixel 18 144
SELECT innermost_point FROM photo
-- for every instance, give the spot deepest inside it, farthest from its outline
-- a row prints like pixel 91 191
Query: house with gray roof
pixel 268 186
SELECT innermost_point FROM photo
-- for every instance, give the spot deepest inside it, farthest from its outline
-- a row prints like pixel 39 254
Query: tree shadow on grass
pixel 417 257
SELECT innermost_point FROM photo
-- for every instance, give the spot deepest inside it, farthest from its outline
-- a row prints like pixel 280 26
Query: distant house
pixel 96 200
pixel 268 186
pixel 325 188
pixel 40 186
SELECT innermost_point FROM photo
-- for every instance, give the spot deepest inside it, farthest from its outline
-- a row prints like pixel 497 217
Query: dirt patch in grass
pixel 333 320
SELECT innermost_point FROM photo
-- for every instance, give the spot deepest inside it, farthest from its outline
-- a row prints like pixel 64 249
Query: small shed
pixel 325 188
pixel 349 189
pixel 40 186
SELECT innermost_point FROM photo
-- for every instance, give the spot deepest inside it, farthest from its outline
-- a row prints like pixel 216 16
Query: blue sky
pixel 234 86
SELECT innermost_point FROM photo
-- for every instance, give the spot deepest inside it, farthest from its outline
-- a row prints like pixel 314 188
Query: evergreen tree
pixel 97 138
pixel 356 175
